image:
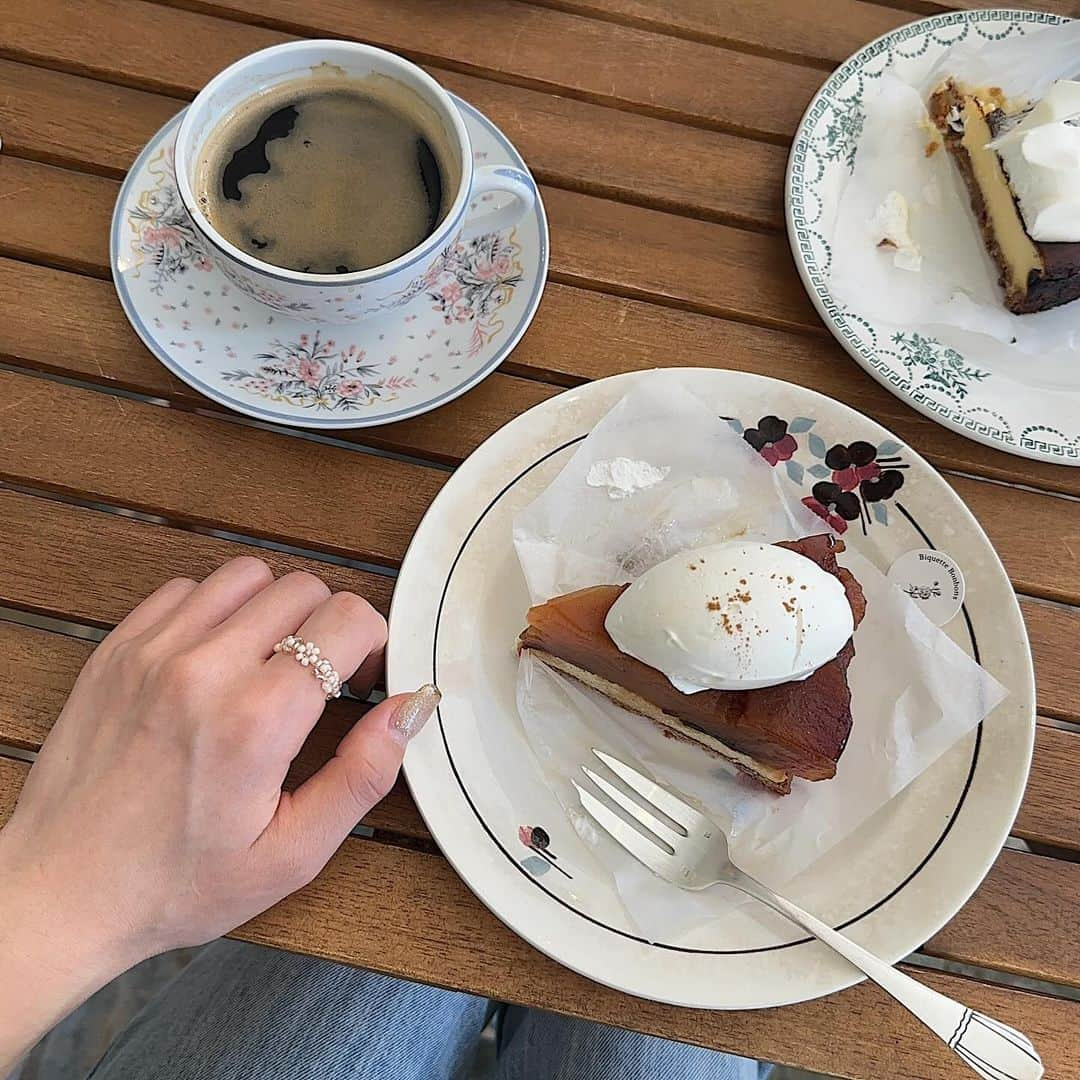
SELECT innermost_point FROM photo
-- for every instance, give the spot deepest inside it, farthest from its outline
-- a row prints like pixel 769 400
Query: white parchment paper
pixel 955 296
pixel 914 691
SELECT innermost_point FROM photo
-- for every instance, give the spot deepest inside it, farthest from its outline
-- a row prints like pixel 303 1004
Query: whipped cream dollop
pixel 1042 158
pixel 733 616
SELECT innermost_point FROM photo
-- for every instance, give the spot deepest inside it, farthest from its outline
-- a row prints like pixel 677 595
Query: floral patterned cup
pixel 344 298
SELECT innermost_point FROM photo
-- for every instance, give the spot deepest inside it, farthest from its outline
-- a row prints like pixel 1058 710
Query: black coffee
pixel 327 179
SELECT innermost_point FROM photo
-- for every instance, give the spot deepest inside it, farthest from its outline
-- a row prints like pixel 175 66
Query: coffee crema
pixel 328 176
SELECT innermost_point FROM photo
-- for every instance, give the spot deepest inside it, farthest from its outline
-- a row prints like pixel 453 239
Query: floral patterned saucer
pixel 274 366
pixel 985 392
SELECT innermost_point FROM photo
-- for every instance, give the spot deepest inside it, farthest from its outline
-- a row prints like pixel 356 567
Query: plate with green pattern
pixel 1021 404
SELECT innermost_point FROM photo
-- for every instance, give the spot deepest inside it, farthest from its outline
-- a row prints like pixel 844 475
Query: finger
pixel 369 673
pixel 160 604
pixel 217 596
pixel 271 614
pixel 311 823
pixel 345 629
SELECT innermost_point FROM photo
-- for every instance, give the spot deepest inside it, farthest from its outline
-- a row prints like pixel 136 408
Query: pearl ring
pixel 308 655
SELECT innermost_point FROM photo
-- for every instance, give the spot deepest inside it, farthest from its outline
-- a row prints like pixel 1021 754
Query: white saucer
pixel 266 365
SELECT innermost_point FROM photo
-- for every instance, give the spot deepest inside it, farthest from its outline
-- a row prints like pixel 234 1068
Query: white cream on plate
pixel 733 616
pixel 1042 159
pixel 623 477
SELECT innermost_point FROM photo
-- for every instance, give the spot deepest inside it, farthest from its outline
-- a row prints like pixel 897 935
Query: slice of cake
pixel 772 733
pixel 1026 192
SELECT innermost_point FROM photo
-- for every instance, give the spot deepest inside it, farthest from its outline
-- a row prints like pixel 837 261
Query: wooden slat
pixel 406 913
pixel 1020 920
pixel 94 567
pixel 66 119
pixel 63 323
pixel 823 33
pixel 28 190
pixel 1054 633
pixel 39 669
pixel 1009 516
pixel 578 57
pixel 51 116
pixel 1050 812
pixel 656 256
pixel 210 472
pixel 628 249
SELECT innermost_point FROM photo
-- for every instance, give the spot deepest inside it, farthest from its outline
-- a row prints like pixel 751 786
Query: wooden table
pixel 658 131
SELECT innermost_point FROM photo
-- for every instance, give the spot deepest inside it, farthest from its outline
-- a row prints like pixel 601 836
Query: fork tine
pixel 646 816
pixel 680 812
pixel 646 851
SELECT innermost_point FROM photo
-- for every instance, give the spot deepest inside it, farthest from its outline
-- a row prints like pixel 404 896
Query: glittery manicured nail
pixel 413 713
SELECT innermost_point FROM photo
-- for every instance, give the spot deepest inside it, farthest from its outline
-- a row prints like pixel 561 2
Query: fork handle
pixel 994 1050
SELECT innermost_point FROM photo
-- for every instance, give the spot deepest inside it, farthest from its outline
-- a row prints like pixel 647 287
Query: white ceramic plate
pixel 460 602
pixel 275 366
pixel 1012 405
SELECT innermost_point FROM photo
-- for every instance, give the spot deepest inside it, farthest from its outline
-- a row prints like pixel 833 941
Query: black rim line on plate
pixel 614 929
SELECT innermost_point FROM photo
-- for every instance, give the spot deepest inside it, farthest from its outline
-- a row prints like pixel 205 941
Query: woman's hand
pixel 154 816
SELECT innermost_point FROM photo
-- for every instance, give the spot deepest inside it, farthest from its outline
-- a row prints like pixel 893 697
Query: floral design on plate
pixel 482 273
pixel 260 352
pixel 536 839
pixel 316 374
pixel 164 240
pixel 849 481
pixel 943 368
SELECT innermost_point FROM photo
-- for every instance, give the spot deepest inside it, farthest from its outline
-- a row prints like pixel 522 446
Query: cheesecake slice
pixel 1035 275
pixel 771 734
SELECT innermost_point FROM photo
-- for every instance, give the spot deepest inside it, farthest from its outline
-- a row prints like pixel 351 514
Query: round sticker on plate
pixel 933 580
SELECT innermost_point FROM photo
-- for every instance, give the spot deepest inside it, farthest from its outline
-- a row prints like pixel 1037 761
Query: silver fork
pixel 690 850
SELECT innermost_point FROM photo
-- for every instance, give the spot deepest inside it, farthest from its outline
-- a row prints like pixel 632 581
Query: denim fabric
pixel 544 1046
pixel 240 1012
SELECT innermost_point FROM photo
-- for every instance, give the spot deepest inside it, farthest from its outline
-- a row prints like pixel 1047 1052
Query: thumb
pixel 312 822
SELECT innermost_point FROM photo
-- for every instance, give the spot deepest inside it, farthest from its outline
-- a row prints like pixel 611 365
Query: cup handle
pixel 502 178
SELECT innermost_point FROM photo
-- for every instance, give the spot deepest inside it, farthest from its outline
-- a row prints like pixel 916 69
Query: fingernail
pixel 413 713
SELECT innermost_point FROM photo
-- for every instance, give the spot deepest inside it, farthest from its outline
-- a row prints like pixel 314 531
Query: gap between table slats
pixel 406 913
pixel 67 324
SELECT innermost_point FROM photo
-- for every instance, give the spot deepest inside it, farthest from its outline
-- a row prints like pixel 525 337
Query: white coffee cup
pixel 343 298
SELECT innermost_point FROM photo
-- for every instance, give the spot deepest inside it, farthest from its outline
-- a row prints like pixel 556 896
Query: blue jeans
pixel 240 1012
